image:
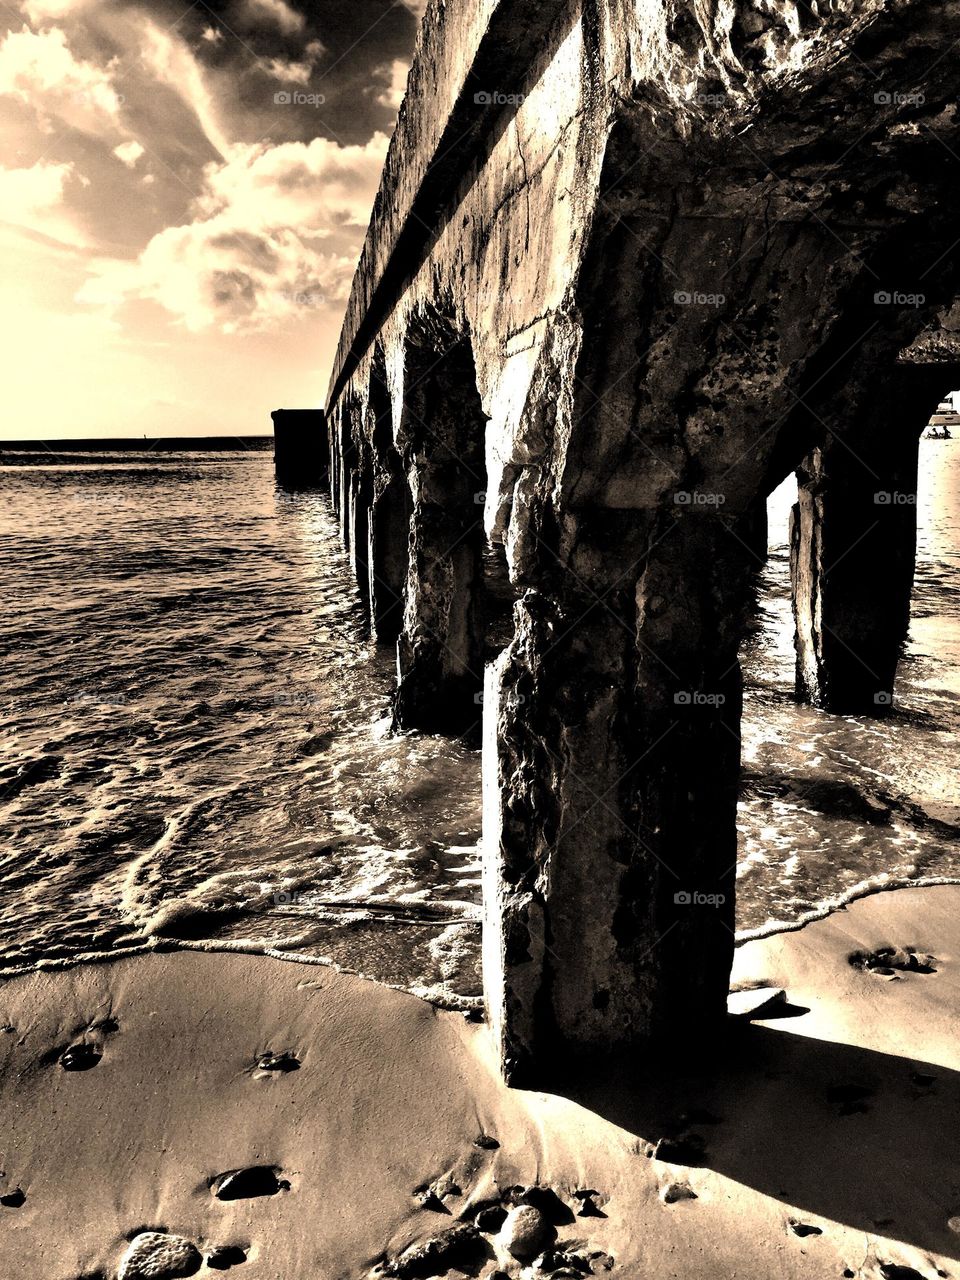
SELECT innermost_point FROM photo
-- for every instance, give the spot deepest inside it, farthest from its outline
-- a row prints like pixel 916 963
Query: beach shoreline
pixel 790 1150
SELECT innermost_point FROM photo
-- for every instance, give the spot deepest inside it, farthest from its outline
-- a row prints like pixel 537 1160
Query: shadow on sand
pixel 864 1138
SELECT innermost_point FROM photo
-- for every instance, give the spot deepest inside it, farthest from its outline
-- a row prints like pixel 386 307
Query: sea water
pixel 196 734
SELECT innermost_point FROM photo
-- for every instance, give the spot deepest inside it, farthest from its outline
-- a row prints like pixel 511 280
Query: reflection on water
pixel 196 739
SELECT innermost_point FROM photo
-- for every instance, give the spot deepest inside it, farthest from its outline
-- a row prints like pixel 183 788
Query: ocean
pixel 196 737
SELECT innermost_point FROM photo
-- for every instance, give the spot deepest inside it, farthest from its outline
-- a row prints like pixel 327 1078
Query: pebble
pixel 588 1206
pixel 462 1244
pixel 491 1219
pixel 244 1184
pixel 674 1192
pixel 525 1232
pixel 278 1061
pixel 154 1255
pixel 80 1057
pixel 13 1199
pixel 224 1256
pixel 803 1229
pixel 547 1201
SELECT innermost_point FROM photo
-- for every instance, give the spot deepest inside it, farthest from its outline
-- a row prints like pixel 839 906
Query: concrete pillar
pixel 336 461
pixel 301 447
pixel 853 536
pixel 440 649
pixel 346 463
pixel 361 500
pixel 388 554
pixel 611 771
pixel 390 510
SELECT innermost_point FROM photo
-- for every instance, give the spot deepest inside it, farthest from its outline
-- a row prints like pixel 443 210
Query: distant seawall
pixel 137 444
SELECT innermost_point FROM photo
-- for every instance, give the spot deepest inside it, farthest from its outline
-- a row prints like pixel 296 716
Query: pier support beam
pixel 361 502
pixel 853 536
pixel 388 554
pixel 611 772
pixel 440 649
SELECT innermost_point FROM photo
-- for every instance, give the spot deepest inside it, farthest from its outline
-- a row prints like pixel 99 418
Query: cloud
pixel 39 69
pixel 286 18
pixel 295 72
pixel 392 96
pixel 129 153
pixel 173 63
pixel 42 11
pixel 33 199
pixel 276 230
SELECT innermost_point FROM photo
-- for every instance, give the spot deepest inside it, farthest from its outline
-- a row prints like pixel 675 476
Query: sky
pixel 184 192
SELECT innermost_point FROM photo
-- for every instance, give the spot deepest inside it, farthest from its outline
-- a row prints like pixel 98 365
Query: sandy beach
pixel 372 1124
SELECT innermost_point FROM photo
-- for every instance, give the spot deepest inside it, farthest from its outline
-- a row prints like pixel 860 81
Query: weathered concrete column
pixel 333 432
pixel 301 447
pixel 389 515
pixel 853 535
pixel 388 553
pixel 361 500
pixel 610 790
pixel 440 649
pixel 348 462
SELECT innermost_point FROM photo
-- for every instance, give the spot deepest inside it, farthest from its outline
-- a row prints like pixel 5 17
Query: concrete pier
pixel 628 268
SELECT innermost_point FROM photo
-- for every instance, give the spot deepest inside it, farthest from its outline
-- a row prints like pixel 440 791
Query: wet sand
pixel 199 1113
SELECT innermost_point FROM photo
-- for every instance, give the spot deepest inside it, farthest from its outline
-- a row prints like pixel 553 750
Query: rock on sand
pixel 154 1255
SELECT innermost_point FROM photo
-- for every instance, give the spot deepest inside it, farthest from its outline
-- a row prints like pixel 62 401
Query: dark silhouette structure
pixel 301 447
